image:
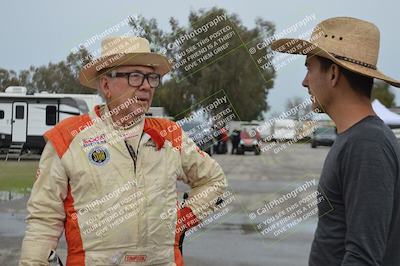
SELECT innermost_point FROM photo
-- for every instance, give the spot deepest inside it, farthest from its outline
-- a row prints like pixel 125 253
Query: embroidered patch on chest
pixel 99 156
pixel 101 139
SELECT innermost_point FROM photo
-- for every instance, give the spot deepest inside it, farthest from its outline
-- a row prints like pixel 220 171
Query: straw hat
pixel 120 51
pixel 349 42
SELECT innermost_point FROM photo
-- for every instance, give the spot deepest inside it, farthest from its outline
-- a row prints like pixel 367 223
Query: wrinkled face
pixel 117 90
pixel 316 81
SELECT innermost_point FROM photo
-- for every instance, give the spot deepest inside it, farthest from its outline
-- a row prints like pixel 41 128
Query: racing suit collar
pixel 108 120
pixel 147 128
pixel 154 134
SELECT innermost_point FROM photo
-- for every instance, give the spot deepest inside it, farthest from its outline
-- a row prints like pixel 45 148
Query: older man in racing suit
pixel 108 178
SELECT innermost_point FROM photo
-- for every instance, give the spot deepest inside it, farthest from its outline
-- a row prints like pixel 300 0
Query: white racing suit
pixel 117 206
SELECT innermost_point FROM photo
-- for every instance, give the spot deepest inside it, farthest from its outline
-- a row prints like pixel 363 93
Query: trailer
pixel 24 118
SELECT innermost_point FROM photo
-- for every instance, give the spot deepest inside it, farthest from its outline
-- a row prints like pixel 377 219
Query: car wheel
pixel 313 145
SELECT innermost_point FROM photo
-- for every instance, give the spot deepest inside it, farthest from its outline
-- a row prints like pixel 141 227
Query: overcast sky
pixel 43 31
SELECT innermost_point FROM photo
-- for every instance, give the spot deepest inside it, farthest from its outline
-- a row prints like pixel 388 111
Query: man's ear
pixel 335 75
pixel 104 86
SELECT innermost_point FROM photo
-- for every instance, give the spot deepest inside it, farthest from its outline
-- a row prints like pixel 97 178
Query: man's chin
pixel 140 108
pixel 317 108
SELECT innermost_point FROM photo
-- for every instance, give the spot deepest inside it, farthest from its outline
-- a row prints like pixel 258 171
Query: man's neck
pixel 122 120
pixel 128 123
pixel 346 113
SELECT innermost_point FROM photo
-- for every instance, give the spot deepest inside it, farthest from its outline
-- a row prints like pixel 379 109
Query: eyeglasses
pixel 136 79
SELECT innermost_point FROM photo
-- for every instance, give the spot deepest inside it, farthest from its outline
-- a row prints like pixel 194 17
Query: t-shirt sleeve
pixel 368 169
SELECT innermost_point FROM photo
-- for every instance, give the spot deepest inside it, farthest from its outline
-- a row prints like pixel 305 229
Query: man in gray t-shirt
pixel 359 222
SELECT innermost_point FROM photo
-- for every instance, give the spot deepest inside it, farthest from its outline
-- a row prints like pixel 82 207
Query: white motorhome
pixel 24 118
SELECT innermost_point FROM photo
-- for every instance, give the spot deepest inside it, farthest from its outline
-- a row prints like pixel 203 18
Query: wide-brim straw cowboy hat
pixel 122 51
pixel 349 42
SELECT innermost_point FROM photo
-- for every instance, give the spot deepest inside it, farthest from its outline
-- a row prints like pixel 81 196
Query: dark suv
pixel 323 136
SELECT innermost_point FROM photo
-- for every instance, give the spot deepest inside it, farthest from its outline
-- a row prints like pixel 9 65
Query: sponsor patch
pixel 99 155
pixel 135 258
pixel 101 139
pixel 130 134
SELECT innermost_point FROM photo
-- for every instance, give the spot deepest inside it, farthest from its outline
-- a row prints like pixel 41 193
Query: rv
pixel 24 118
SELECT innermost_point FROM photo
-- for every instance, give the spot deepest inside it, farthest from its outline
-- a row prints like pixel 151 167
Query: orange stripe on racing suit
pixel 76 254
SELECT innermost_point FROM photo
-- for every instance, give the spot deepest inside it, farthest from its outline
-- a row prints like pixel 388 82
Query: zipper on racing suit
pixel 132 153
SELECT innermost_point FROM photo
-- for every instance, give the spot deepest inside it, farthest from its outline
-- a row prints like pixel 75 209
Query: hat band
pixel 354 61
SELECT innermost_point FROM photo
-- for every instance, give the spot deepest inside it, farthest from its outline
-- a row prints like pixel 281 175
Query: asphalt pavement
pixel 238 234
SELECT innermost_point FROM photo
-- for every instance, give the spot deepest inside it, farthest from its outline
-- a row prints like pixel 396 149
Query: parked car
pixel 201 133
pixel 323 136
pixel 249 142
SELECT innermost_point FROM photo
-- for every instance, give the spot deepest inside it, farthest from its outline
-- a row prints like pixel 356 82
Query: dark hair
pixel 360 83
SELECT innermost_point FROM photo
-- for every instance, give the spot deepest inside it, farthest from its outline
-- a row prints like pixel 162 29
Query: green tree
pixel 62 77
pixel 8 78
pixel 236 73
pixel 382 92
pixel 294 103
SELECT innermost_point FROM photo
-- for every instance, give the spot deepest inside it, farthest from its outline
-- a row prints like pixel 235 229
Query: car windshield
pixel 245 134
pixel 196 129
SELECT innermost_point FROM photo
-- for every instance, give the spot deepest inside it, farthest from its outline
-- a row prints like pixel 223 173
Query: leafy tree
pixel 236 73
pixel 61 77
pixel 8 78
pixel 382 92
pixel 294 104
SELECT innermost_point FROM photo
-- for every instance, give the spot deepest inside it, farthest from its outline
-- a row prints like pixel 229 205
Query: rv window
pixel 19 112
pixel 51 117
pixel 1 114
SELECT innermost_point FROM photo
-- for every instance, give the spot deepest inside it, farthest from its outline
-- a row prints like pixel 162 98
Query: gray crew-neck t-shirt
pixel 359 223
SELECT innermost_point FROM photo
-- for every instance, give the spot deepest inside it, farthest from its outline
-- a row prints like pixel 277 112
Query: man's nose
pixel 305 82
pixel 145 85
